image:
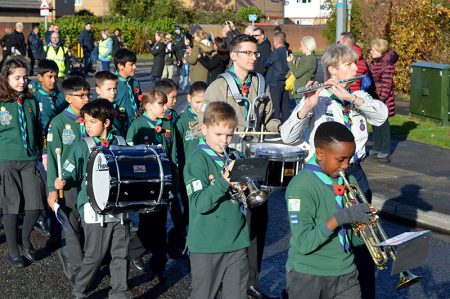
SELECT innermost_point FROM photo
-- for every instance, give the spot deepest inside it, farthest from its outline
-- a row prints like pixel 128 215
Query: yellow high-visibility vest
pixel 58 57
pixel 103 48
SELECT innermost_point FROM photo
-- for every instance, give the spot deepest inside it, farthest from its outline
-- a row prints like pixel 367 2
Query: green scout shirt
pixel 312 249
pixel 11 144
pixel 142 131
pixel 74 169
pixel 184 126
pixel 50 105
pixel 64 132
pixel 216 223
pixel 120 121
pixel 33 86
pixel 128 91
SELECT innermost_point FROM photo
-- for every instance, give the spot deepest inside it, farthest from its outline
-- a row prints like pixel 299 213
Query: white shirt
pixel 295 130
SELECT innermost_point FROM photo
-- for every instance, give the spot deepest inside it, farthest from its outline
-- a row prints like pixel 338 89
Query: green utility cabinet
pixel 430 91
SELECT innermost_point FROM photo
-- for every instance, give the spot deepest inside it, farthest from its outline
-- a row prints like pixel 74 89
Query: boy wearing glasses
pixel 64 131
pixel 243 54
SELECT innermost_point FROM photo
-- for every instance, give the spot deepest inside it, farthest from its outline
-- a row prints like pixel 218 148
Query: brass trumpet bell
pixel 407 279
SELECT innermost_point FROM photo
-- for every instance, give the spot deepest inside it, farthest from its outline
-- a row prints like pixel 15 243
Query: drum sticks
pixel 58 162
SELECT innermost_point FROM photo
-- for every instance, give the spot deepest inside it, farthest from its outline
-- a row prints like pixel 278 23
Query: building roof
pixel 20 4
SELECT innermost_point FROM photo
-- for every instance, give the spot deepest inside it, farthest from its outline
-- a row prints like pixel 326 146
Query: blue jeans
pixel 87 61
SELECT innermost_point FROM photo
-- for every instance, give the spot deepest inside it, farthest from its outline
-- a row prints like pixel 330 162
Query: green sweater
pixel 128 91
pixel 63 132
pixel 313 249
pixel 11 144
pixel 304 70
pixel 216 223
pixel 189 142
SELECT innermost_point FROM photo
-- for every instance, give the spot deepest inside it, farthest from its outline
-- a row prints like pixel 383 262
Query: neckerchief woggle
pixel 219 162
pixel 130 92
pixel 334 185
pixel 244 88
pixel 79 120
pixel 153 125
pixel 22 123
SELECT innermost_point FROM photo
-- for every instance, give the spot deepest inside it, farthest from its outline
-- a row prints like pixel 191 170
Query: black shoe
pixel 137 263
pixel 64 262
pixel 29 254
pixel 42 228
pixel 17 262
pixel 254 292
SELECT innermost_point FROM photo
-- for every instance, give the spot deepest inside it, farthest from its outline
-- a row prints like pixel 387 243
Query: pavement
pixel 415 184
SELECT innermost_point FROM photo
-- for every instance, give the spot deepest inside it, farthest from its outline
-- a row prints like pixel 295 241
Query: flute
pixel 58 162
pixel 317 86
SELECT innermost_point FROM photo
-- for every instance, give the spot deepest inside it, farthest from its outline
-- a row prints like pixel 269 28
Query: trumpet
pixel 317 86
pixel 373 233
pixel 247 191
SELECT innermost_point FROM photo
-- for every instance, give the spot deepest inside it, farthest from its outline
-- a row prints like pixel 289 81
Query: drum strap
pixel 91 142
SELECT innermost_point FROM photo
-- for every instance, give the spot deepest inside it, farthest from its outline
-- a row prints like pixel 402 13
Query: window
pixel 78 2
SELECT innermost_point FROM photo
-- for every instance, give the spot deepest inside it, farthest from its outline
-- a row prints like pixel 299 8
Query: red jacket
pixel 383 70
pixel 362 69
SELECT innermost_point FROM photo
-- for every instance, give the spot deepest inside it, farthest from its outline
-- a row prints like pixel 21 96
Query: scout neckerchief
pixel 218 160
pixel 79 120
pixel 336 186
pixel 192 114
pixel 22 123
pixel 51 95
pixel 130 92
pixel 155 125
pixel 104 141
pixel 244 88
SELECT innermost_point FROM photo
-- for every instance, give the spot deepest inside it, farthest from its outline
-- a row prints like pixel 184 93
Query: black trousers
pixel 257 219
pixel 382 138
pixel 281 102
pixel 151 234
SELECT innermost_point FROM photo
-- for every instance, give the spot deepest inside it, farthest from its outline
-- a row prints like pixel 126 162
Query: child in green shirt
pixel 21 185
pixel 169 88
pixel 218 235
pixel 64 131
pixel 106 88
pixel 320 259
pixel 99 235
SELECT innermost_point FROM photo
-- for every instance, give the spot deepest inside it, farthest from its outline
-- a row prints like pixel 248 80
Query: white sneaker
pixel 382 156
pixel 373 152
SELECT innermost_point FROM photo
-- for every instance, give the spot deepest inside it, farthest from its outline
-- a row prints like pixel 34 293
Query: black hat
pixel 177 27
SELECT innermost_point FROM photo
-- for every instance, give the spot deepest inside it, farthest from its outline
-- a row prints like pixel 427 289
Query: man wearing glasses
pixel 241 90
pixel 277 70
pixel 264 47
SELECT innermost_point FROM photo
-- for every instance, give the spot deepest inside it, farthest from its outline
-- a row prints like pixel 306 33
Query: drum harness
pixel 251 117
pixel 90 216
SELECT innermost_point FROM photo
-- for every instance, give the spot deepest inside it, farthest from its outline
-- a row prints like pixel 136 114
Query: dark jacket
pixel 47 37
pixel 35 46
pixel 383 70
pixel 117 44
pixel 170 57
pixel 18 42
pixel 86 40
pixel 6 45
pixel 277 67
pixel 265 48
pixel 158 51
pixel 215 65
pixel 180 46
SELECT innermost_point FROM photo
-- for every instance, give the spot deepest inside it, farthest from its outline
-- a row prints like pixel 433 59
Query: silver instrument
pixel 317 86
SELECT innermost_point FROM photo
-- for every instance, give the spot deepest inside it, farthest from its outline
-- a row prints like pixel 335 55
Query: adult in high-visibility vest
pixel 58 53
pixel 105 50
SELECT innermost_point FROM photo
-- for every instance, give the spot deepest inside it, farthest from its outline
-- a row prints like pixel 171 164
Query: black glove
pixel 356 213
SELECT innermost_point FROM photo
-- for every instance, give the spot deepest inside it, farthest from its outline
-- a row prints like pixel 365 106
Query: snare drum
pixel 127 178
pixel 285 161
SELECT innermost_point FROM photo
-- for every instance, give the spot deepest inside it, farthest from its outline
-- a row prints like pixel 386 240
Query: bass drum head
pixel 98 181
pixel 278 152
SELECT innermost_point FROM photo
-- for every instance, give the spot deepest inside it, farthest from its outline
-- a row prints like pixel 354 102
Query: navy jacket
pixel 86 40
pixel 277 67
pixel 265 48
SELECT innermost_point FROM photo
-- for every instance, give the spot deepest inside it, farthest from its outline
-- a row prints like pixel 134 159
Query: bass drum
pixel 285 161
pixel 128 179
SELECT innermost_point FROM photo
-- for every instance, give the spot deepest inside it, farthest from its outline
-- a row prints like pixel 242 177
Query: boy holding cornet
pixel 320 261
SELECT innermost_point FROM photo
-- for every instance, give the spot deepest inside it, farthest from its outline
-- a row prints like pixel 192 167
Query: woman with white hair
pixel 304 68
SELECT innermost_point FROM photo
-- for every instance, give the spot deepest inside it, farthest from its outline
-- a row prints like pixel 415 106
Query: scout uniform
pixel 111 233
pixel 128 97
pixel 50 105
pixel 145 131
pixel 312 198
pixel 21 143
pixel 120 121
pixel 218 232
pixel 185 125
pixel 64 131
